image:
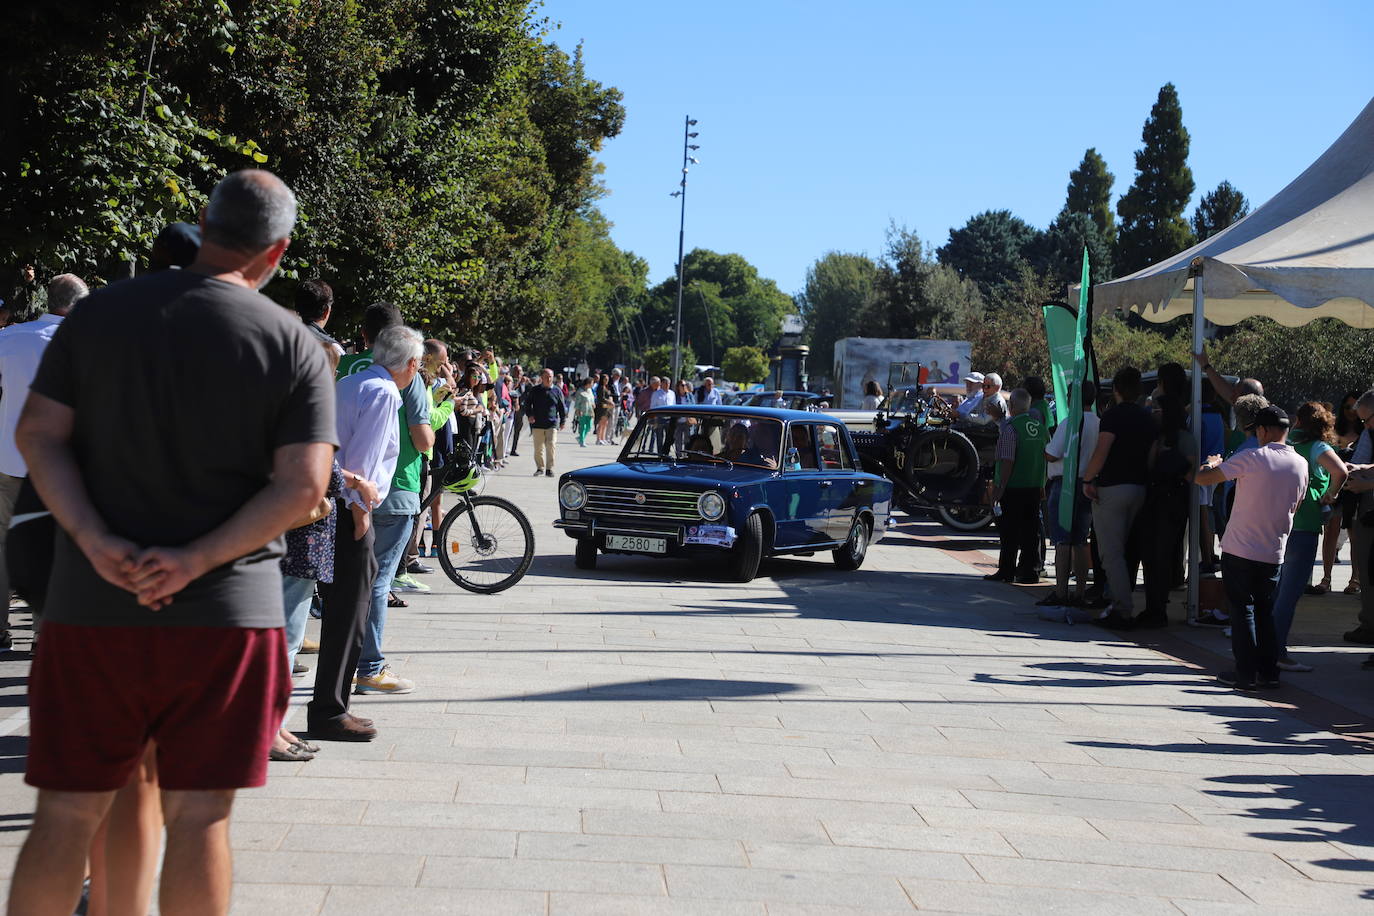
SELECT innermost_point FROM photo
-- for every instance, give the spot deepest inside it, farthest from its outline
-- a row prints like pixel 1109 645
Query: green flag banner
pixel 1074 382
pixel 1061 330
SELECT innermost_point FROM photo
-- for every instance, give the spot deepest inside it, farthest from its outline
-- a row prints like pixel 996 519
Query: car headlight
pixel 710 505
pixel 572 495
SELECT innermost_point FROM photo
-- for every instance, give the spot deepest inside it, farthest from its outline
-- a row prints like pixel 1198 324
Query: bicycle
pixel 488 544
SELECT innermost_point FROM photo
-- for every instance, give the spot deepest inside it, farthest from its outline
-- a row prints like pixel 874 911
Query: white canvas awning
pixel 1307 253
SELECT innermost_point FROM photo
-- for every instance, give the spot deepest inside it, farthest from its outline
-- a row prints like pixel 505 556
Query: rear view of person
pixel 179 642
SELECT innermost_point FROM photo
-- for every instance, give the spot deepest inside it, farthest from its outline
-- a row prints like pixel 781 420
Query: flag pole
pixel 1194 497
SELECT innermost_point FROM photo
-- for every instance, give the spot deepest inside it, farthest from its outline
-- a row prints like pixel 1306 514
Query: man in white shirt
pixel 368 408
pixel 1071 544
pixel 21 349
pixel 973 394
pixel 662 395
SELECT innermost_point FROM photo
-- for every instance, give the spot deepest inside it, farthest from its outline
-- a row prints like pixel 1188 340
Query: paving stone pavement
pixel 646 739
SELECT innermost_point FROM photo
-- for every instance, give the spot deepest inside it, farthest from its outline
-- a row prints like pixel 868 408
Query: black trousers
pixel 1162 522
pixel 345 604
pixel 1018 528
pixel 515 432
pixel 1254 640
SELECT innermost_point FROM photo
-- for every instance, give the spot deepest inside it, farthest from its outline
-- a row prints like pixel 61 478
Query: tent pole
pixel 1194 502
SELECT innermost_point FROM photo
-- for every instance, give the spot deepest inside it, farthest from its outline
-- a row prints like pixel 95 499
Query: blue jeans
pixel 1253 639
pixel 1294 575
pixel 296 594
pixel 390 533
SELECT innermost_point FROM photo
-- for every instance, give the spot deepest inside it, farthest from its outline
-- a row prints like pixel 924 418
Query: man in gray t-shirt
pixel 178 424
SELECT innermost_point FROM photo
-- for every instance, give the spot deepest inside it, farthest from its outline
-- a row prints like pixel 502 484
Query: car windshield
pixel 702 436
pixel 784 399
pixel 904 400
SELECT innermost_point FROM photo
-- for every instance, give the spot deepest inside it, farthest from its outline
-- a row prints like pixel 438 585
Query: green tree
pixel 1282 358
pixel 1090 192
pixel 917 297
pixel 725 303
pixel 839 288
pixel 658 360
pixel 1153 226
pixel 1059 250
pixel 990 249
pixel 745 365
pixel 442 153
pixel 1219 209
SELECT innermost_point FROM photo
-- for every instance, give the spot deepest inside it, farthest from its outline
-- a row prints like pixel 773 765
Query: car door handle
pixel 826 483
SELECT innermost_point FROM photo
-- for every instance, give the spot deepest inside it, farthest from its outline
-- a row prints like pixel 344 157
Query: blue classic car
pixel 732 484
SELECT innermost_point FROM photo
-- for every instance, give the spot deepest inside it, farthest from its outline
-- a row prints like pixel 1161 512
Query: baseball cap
pixel 1270 416
pixel 175 246
pixel 974 377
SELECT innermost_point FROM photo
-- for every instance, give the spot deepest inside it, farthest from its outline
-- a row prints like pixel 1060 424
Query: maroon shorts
pixel 211 697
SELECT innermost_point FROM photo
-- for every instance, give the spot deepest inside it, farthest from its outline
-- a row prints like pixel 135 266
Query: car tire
pixel 748 550
pixel 965 518
pixel 585 555
pixel 851 555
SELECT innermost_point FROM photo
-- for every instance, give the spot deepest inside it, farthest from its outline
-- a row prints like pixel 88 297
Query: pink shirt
pixel 1270 482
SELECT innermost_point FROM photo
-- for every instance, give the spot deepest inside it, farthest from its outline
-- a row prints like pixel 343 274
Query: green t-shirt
pixel 1043 407
pixel 1309 514
pixel 1028 470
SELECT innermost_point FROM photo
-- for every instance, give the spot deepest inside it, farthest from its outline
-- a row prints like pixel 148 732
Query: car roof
pixel 772 413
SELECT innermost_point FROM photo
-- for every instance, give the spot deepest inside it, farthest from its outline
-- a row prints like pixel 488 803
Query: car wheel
pixel 851 555
pixel 965 518
pixel 585 557
pixel 748 550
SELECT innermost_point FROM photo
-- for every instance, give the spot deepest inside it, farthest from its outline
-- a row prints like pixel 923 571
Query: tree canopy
pixel 989 249
pixel 442 154
pixel 1152 223
pixel 1218 209
pixel 1090 192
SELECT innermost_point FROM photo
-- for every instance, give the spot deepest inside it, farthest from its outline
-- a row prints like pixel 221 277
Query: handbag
pixel 321 511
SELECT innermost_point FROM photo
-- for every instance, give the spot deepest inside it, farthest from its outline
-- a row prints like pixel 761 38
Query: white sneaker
pixel 383 681
pixel 1291 665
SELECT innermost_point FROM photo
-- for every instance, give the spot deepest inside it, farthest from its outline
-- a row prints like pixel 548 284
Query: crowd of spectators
pixel 1276 491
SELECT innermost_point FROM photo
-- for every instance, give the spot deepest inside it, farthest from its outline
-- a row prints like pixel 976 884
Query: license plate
pixel 635 543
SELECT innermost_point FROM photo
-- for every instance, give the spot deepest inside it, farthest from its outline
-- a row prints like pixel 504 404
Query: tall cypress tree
pixel 1153 226
pixel 1090 192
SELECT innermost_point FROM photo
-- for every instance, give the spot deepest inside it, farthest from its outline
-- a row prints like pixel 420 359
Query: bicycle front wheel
pixel 487 544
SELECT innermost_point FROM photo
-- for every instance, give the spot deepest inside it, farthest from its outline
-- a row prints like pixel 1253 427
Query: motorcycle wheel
pixel 964 518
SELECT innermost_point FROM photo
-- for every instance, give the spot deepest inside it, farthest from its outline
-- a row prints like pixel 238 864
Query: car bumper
pixel 681 538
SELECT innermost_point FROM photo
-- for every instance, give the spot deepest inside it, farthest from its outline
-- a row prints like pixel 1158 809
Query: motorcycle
pixel 939 462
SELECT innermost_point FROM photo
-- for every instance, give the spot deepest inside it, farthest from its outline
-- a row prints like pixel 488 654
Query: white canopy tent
pixel 1307 253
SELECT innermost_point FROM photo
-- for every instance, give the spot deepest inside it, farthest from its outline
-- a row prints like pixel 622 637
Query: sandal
pixel 393 601
pixel 1353 588
pixel 306 746
pixel 1321 588
pixel 293 754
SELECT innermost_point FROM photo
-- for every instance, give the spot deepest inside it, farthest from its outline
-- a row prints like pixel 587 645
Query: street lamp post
pixel 687 136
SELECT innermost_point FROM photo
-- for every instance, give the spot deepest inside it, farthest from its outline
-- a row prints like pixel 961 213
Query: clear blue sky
pixel 821 122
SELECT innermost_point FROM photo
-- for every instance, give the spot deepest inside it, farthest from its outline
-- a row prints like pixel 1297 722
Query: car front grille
pixel 623 502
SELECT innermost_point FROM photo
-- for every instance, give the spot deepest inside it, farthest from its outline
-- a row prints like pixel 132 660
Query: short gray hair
pixel 1020 400
pixel 64 290
pixel 1366 401
pixel 396 346
pixel 994 378
pixel 249 211
pixel 1247 407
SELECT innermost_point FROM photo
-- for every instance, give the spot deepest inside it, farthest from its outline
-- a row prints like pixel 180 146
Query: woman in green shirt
pixel 1312 438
